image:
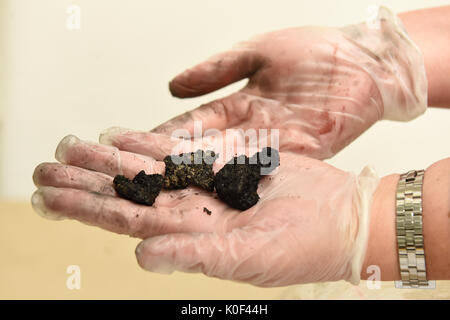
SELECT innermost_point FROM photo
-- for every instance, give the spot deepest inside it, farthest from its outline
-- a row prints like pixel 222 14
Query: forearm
pixel 382 245
pixel 430 30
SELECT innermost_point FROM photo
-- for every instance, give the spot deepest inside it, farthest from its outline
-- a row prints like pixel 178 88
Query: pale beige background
pixel 114 71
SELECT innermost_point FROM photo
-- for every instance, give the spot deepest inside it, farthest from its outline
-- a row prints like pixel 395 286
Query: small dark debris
pixel 190 168
pixel 237 182
pixel 143 189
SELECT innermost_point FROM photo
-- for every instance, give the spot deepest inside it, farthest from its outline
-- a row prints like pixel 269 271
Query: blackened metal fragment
pixel 143 189
pixel 237 182
pixel 190 168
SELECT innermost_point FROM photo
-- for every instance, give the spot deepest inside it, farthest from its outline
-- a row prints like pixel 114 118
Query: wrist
pixel 395 64
pixel 429 29
pixel 436 220
pixel 382 244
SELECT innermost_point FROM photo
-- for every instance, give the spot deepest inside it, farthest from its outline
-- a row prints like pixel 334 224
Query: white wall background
pixel 115 71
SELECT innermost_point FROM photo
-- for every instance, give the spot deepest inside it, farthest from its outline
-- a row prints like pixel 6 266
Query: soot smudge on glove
pixel 237 182
pixel 143 189
pixel 194 168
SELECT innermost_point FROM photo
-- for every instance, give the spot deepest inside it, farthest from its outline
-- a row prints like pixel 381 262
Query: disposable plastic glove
pixel 322 87
pixel 309 225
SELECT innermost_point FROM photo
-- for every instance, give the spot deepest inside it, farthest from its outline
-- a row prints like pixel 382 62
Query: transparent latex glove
pixel 309 225
pixel 322 87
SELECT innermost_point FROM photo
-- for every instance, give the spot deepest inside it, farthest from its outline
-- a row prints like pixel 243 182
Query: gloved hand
pixel 309 225
pixel 322 87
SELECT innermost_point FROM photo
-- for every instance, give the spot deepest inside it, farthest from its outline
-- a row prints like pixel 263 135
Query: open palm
pixel 279 241
pixel 321 87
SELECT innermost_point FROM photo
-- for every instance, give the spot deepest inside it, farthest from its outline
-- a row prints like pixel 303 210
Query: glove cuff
pixel 395 63
pixel 367 182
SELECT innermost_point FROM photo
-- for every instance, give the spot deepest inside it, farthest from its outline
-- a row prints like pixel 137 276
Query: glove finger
pixel 217 115
pixel 154 145
pixel 170 215
pixel 105 159
pixel 157 146
pixel 217 72
pixel 66 176
pixel 213 115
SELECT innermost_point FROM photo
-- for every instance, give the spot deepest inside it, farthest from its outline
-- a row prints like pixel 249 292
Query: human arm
pixel 382 245
pixel 430 30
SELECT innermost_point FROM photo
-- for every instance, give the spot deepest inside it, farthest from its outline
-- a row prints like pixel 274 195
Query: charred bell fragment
pixel 143 189
pixel 194 168
pixel 237 182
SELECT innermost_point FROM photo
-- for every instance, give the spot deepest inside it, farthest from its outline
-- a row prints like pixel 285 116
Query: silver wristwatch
pixel 409 232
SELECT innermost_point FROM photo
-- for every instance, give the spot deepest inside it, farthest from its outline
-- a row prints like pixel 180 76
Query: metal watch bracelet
pixel 410 232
